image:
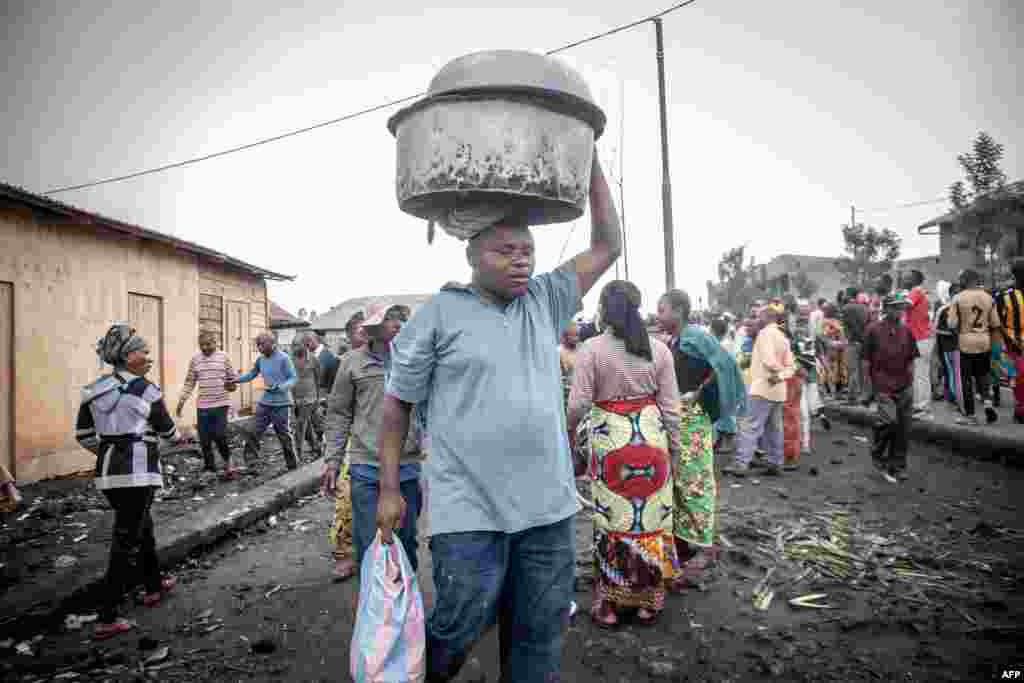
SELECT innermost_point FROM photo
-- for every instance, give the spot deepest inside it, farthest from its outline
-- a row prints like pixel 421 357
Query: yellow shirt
pixel 773 356
pixel 974 312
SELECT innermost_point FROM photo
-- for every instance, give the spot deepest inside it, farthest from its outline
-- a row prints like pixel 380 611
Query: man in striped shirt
pixel 211 370
pixel 1010 305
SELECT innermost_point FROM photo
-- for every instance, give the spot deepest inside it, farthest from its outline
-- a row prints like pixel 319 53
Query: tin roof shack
pixel 65 274
pixel 331 325
pixel 985 235
pixel 284 326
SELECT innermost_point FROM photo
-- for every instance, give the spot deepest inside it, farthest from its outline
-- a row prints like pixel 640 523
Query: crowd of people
pixel 489 403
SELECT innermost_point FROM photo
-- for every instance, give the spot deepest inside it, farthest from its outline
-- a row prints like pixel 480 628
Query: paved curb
pixel 176 539
pixel 964 438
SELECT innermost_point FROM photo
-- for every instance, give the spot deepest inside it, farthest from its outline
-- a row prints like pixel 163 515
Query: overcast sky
pixel 781 114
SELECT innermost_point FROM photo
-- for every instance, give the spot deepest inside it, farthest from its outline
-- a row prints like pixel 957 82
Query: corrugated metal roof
pixel 1011 192
pixel 280 318
pixel 19 195
pixel 336 318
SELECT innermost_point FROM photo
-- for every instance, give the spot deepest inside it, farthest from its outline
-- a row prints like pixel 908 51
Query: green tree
pixel 980 231
pixel 737 286
pixel 981 167
pixel 868 253
pixel 805 287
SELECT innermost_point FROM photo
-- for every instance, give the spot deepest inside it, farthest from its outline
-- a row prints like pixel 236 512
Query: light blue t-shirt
pixel 278 371
pixel 491 379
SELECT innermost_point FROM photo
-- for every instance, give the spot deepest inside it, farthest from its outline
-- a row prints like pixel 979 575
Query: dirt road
pixel 923 580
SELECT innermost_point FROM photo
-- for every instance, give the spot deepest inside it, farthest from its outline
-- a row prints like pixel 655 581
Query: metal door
pixel 239 348
pixel 146 315
pixel 7 377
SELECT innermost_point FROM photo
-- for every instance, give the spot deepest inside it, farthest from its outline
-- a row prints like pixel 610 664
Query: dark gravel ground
pixel 64 523
pixel 262 607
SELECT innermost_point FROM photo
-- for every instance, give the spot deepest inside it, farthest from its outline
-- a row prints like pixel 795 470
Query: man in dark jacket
pixel 855 319
pixel 328 361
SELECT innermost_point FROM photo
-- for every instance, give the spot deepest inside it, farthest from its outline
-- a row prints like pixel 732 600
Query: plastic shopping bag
pixel 389 640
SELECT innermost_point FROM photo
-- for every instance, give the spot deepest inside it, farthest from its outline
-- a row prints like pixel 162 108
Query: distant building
pixel 1001 213
pixel 284 326
pixel 776 276
pixel 331 325
pixel 65 275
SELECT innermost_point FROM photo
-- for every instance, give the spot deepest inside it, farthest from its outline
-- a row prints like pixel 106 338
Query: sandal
pixel 105 631
pixel 166 586
pixel 692 570
pixel 604 617
pixel 645 617
pixel 344 570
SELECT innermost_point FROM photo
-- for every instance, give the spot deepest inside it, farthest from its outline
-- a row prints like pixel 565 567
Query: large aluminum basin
pixel 503 126
pixel 456 151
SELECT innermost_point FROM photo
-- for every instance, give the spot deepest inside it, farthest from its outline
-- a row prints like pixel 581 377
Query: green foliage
pixel 737 286
pixel 982 170
pixel 869 252
pixel 981 166
pixel 958 195
pixel 805 287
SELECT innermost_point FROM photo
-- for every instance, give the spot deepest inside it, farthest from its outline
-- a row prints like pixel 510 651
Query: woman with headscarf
pixel 710 387
pixel 623 413
pixel 122 415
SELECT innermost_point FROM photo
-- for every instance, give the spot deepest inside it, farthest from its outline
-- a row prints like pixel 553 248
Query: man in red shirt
pixel 918 321
pixel 890 352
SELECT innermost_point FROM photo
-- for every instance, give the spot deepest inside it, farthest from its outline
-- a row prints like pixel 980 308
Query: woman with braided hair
pixel 122 415
pixel 623 417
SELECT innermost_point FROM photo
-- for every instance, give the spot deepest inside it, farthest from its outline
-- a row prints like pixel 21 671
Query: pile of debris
pixel 833 547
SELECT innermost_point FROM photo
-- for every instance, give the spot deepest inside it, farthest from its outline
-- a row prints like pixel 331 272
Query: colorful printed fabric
pixel 634 553
pixel 791 435
pixel 340 533
pixel 1003 370
pixel 695 488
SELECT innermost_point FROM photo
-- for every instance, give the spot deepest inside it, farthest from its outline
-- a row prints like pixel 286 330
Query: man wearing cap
pixel 484 356
pixel 354 409
pixel 890 350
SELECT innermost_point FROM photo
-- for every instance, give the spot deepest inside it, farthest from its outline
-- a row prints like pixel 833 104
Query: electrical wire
pixel 346 117
pixel 909 205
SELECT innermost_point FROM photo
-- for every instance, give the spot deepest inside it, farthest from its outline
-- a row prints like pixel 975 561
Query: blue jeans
pixel 522 581
pixel 364 517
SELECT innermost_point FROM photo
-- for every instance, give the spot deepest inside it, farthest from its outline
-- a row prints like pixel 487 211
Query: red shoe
pixel 166 586
pixel 105 631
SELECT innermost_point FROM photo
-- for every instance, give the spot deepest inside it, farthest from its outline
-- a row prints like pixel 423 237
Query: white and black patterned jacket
pixel 120 419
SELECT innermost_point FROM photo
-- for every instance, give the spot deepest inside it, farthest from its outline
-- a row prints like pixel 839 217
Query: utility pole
pixel 622 175
pixel 666 183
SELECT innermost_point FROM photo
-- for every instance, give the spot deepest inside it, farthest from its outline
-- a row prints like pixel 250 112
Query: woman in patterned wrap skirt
pixel 622 413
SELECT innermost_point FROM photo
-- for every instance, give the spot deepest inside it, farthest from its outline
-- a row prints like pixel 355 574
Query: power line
pixel 346 117
pixel 619 29
pixel 232 150
pixel 909 205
